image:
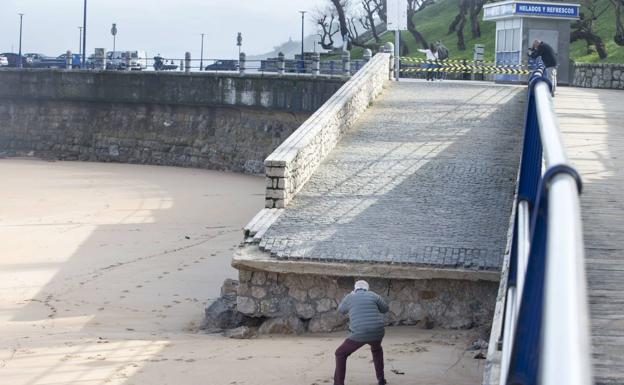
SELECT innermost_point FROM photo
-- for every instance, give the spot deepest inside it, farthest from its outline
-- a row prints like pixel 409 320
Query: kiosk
pixel 519 23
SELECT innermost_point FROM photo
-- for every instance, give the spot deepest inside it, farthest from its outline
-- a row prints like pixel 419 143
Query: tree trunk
pixel 371 20
pixel 618 38
pixel 475 10
pixel 461 45
pixel 342 19
pixel 463 10
pixel 411 27
pixel 590 38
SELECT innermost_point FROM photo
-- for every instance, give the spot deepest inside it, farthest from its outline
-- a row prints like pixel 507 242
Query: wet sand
pixel 105 270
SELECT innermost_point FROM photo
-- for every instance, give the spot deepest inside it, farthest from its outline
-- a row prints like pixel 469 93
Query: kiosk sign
pixel 548 10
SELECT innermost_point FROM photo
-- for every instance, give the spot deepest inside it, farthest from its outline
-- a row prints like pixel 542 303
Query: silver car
pixel 4 62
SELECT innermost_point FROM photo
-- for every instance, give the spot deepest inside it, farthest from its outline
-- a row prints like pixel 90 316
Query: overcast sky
pixel 169 27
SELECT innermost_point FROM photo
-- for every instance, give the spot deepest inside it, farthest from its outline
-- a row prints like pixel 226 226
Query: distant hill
pixel 290 48
pixel 433 21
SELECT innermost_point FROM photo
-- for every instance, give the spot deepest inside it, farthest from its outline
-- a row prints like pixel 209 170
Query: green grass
pixel 433 21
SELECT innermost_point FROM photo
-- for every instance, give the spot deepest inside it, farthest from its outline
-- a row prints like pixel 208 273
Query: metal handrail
pixel 546 332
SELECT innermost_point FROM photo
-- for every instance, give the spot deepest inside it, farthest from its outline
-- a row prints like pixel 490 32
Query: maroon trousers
pixel 350 346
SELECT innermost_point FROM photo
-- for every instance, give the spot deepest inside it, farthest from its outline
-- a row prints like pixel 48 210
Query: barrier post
pixel 316 63
pixel 187 62
pixel 68 60
pixel 241 63
pixel 346 63
pixel 281 63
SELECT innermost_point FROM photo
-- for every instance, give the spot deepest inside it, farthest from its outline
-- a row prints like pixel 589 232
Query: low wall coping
pixel 251 257
pixel 296 159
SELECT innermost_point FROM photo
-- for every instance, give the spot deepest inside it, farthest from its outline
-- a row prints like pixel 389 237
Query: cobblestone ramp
pixel 427 177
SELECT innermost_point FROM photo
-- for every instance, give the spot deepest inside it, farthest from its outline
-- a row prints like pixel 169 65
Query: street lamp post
pixel 114 33
pixel 302 24
pixel 80 41
pixel 84 35
pixel 239 42
pixel 201 55
pixel 21 63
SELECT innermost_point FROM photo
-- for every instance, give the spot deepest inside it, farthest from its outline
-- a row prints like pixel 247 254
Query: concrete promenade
pixel 593 132
pixel 425 178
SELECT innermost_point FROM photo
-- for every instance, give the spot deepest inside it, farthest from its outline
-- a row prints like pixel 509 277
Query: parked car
pixel 33 59
pixel 75 60
pixel 4 62
pixel 223 65
pixel 14 59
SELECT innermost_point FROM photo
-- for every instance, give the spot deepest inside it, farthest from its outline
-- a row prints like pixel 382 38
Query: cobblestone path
pixel 427 177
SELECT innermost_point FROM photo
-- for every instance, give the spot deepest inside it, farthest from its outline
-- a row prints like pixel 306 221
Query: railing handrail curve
pixel 546 325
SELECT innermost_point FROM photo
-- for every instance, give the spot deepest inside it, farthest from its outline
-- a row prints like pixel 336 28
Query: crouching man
pixel 366 326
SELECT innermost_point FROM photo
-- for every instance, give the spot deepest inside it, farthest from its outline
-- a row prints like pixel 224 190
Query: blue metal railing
pixel 546 329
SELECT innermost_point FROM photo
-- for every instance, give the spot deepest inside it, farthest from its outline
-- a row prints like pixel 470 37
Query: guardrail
pixel 545 338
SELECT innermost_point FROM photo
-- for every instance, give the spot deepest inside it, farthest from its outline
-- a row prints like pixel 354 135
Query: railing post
pixel 241 63
pixel 389 48
pixel 281 63
pixel 181 65
pixel 316 63
pixel 68 60
pixel 187 62
pixel 346 63
pixel 367 55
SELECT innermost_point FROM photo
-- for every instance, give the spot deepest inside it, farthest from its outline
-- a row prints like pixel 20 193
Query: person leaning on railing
pixel 549 58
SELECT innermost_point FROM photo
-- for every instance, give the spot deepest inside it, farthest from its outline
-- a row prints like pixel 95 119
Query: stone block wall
pixel 598 75
pixel 232 139
pixel 216 121
pixel 290 166
pixel 313 299
pixel 294 93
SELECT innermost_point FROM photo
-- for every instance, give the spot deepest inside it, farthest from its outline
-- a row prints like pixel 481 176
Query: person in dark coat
pixel 549 58
pixel 366 327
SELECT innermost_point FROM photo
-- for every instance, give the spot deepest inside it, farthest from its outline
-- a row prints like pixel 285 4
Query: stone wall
pixel 292 93
pixel 215 121
pixel 290 166
pixel 598 75
pixel 311 300
pixel 233 139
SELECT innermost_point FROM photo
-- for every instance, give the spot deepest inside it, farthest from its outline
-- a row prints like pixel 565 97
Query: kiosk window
pixel 508 40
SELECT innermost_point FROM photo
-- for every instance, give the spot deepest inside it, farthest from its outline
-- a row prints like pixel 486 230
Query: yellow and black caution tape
pixel 467 68
pixel 453 63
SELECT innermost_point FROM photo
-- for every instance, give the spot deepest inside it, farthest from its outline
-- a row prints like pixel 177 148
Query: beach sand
pixel 105 270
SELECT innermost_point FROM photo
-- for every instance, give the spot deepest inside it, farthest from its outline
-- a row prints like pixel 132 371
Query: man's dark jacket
pixel 549 57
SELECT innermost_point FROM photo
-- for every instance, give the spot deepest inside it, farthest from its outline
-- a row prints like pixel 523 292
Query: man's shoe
pixel 382 381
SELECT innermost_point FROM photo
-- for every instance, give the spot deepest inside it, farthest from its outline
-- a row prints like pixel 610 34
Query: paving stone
pixel 426 177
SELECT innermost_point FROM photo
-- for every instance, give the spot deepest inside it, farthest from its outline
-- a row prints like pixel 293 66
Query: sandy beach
pixel 105 270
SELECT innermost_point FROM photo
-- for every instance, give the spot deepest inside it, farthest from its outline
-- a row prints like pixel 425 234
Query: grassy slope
pixel 433 22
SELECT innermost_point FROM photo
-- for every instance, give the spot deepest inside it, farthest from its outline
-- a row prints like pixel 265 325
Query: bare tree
pixel 618 38
pixel 371 10
pixel 583 29
pixel 327 27
pixel 382 10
